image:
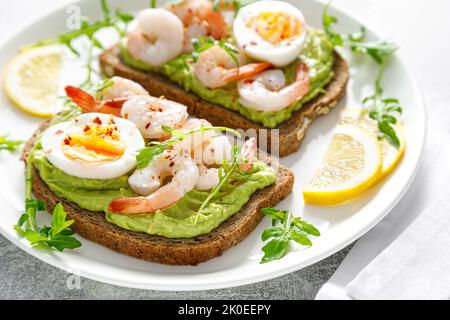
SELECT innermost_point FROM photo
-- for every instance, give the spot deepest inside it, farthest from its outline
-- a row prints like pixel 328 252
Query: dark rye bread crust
pixel 291 131
pixel 93 225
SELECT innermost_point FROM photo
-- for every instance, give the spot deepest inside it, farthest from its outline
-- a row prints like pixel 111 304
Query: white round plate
pixel 240 265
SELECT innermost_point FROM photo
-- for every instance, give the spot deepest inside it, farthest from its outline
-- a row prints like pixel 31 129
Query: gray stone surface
pixel 25 277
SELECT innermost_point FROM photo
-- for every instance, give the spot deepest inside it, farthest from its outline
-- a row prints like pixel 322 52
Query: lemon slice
pixel 352 164
pixel 390 154
pixel 32 79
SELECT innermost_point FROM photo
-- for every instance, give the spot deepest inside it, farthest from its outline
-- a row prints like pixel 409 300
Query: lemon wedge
pixel 32 79
pixel 352 164
pixel 390 154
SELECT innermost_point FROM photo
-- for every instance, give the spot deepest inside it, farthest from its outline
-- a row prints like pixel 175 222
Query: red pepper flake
pixel 125 115
pixel 97 121
pixel 249 81
pixel 67 140
pixel 171 164
pixel 148 125
pixel 86 128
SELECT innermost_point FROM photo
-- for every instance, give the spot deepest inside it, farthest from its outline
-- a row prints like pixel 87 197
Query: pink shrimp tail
pixel 84 100
pixel 127 206
pixel 246 71
pixel 303 79
pixel 113 106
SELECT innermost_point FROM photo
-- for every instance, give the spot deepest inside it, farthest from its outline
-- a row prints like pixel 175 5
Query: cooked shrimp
pixel 248 153
pixel 148 180
pixel 215 68
pixel 212 153
pixel 199 19
pixel 110 99
pixel 217 150
pixel 209 147
pixel 192 142
pixel 150 114
pixel 158 37
pixel 208 178
pixel 120 88
pixel 184 174
pixel 267 91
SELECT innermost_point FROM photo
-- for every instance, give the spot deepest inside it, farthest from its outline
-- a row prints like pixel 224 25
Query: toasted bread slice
pixel 291 131
pixel 93 225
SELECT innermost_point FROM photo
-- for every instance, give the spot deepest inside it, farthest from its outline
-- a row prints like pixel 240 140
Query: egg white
pixel 256 47
pixel 53 138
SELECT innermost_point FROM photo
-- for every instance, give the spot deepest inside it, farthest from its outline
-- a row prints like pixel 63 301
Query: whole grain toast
pixel 93 225
pixel 291 132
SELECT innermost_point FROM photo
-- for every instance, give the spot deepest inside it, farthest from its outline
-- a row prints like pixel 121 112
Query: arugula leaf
pixel 285 228
pixel 300 237
pixel 61 242
pixel 384 111
pixel 378 50
pixel 58 236
pixel 59 222
pixel 271 232
pixel 274 214
pixel 124 16
pixel 306 227
pixel 34 203
pixel 10 145
pixel 147 155
pixel 275 249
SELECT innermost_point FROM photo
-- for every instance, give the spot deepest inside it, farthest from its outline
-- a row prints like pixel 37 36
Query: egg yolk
pixel 97 143
pixel 275 27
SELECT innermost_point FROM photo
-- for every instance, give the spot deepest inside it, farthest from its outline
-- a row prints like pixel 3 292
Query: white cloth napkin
pixel 416 265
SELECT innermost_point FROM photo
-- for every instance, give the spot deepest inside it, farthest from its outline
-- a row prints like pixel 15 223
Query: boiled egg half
pixel 93 146
pixel 271 31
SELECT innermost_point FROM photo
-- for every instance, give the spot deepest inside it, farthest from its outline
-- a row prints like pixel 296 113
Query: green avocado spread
pixel 181 220
pixel 317 55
